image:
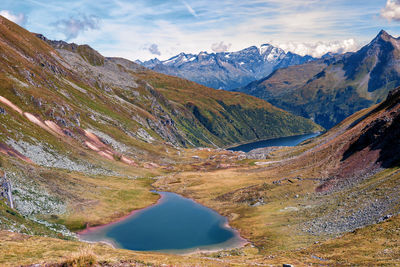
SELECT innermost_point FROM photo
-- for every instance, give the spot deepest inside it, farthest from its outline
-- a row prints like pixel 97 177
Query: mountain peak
pixel 383 35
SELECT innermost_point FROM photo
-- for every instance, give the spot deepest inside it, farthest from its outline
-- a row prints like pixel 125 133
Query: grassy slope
pixel 277 227
pixel 232 117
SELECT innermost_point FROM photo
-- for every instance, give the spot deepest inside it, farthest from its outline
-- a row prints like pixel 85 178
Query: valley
pixel 86 140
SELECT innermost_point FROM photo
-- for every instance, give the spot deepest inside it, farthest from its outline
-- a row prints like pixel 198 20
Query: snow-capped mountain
pixel 227 70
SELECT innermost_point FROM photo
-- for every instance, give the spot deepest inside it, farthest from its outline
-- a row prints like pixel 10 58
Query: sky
pixel 145 29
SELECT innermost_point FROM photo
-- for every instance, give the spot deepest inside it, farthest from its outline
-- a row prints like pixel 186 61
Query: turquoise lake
pixel 174 225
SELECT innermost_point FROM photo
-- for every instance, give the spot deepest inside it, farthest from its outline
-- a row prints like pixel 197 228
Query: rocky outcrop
pixel 6 190
pixel 261 153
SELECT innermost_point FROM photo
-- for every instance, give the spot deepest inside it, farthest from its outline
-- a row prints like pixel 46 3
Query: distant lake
pixel 174 225
pixel 282 141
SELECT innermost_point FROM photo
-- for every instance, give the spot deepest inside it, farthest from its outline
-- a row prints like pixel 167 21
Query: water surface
pixel 282 141
pixel 174 225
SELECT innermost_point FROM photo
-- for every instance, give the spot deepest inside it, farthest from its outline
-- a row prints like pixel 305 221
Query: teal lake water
pixel 283 141
pixel 174 225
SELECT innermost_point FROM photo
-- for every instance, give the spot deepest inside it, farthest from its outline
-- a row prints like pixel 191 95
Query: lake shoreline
pixel 133 212
pixel 190 251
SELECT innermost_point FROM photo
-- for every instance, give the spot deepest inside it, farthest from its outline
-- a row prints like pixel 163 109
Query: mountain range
pixel 330 89
pixel 227 70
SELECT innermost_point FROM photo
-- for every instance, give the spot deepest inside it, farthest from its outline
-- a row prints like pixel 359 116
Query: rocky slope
pixel 330 89
pixel 227 70
pixel 336 183
pixel 371 144
pixel 183 111
pixel 68 113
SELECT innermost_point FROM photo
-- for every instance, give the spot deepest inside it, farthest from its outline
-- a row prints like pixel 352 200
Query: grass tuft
pixel 85 257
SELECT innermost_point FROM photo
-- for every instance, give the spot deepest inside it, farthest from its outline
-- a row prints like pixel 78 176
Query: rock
pixel 144 135
pixel 384 218
pixel 318 258
pixel 257 204
pixel 6 190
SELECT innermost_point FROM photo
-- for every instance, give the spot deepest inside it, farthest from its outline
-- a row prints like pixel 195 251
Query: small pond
pixel 173 225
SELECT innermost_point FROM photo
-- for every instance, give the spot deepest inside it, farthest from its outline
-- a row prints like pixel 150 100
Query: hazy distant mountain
pixel 335 86
pixel 227 70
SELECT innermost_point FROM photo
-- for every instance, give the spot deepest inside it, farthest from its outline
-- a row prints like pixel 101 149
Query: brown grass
pixel 85 257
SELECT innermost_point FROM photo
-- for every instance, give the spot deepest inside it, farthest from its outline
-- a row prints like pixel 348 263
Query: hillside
pixel 298 203
pixel 91 91
pixel 227 70
pixel 84 140
pixel 329 90
pixel 74 122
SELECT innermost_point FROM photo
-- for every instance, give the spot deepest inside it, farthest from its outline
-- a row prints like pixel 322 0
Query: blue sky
pixel 144 29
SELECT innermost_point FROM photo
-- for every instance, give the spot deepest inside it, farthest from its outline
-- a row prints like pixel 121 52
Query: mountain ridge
pixel 227 70
pixel 328 90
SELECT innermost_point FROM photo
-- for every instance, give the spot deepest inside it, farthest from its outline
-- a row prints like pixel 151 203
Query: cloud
pixel 74 26
pixel 319 49
pixel 190 9
pixel 128 28
pixel 391 10
pixel 153 48
pixel 220 47
pixel 16 18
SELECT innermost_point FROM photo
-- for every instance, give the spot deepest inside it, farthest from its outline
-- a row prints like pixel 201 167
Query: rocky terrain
pixel 69 115
pixel 330 89
pixel 227 70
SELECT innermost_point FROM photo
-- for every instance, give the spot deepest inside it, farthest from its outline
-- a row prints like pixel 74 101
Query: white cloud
pixel 73 26
pixel 220 47
pixel 153 48
pixel 391 10
pixel 319 49
pixel 302 26
pixel 16 18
